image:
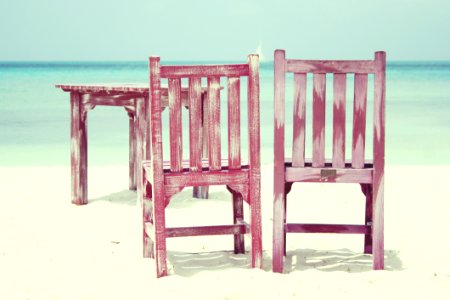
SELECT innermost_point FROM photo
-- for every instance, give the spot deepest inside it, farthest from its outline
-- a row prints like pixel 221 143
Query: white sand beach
pixel 51 249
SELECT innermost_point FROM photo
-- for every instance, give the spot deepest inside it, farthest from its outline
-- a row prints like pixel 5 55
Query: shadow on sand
pixel 188 264
pixel 337 260
pixel 125 197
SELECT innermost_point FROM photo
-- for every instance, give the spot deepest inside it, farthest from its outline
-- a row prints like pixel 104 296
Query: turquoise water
pixel 35 116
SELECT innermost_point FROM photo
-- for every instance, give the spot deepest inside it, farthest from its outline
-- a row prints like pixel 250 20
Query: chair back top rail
pixel 330 66
pixel 204 71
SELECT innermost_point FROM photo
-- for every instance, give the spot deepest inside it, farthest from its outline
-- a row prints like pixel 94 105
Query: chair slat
pixel 234 136
pixel 318 155
pixel 359 121
pixel 339 90
pixel 207 70
pixel 176 147
pixel 214 122
pixel 298 145
pixel 195 132
pixel 330 66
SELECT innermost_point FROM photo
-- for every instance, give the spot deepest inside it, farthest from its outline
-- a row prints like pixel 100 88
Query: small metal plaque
pixel 328 173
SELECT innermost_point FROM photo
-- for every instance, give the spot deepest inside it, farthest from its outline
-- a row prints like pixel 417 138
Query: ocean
pixel 35 116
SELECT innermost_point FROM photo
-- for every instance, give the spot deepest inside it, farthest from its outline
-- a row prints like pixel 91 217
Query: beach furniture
pixel 358 169
pixel 133 98
pixel 163 179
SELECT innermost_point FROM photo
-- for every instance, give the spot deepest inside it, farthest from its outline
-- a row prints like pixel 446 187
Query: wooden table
pixel 134 99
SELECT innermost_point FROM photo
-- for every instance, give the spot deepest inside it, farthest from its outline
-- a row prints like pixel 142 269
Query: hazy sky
pixel 222 30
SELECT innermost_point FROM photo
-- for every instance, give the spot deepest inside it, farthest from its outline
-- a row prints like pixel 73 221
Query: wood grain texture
pixel 243 180
pixel 234 123
pixel 175 123
pixel 318 153
pixel 359 120
pixel 214 123
pixel 78 150
pixel 354 170
pixel 368 218
pixel 158 176
pixel 279 199
pixel 327 228
pixel 298 143
pixel 330 66
pixel 124 95
pixel 255 163
pixel 116 99
pixel 195 124
pixel 308 174
pixel 141 136
pixel 132 151
pixel 378 160
pixel 204 71
pixel 339 92
pixel 207 178
pixel 238 218
pixel 207 230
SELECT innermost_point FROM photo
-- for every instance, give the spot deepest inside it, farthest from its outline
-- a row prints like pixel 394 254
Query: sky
pixel 33 30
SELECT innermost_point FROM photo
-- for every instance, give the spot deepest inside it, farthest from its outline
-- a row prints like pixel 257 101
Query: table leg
pixel 141 145
pixel 78 150
pixel 202 192
pixel 132 152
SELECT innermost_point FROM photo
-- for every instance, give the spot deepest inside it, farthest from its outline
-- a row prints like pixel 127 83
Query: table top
pixel 141 88
pixel 105 87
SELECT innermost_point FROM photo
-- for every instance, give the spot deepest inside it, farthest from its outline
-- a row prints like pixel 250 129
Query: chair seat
pixel 328 173
pixel 186 177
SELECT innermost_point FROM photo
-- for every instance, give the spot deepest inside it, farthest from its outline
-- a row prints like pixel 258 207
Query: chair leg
pixel 378 223
pixel 278 228
pixel 148 244
pixel 238 217
pixel 287 189
pixel 255 223
pixel 159 205
pixel 367 191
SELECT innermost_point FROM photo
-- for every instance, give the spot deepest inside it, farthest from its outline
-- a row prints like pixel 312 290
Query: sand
pixel 51 249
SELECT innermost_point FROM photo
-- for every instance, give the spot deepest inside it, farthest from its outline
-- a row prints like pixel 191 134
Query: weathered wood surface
pixel 254 148
pixel 330 66
pixel 327 228
pixel 318 153
pixel 359 120
pixel 176 141
pixel 132 150
pixel 378 160
pixel 195 125
pixel 313 174
pixel 214 123
pixel 234 123
pixel 78 150
pixel 340 81
pixel 205 71
pixel 85 97
pixel 168 178
pixel 298 143
pixel 208 230
pixel 338 168
pixel 279 156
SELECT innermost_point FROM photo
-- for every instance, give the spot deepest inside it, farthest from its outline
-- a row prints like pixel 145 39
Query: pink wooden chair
pixel 370 175
pixel 164 179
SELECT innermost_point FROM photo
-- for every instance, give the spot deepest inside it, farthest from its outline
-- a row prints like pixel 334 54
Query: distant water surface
pixel 35 116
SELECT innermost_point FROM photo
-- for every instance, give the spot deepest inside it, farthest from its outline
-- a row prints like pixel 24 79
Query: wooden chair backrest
pixel 194 75
pixel 339 69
